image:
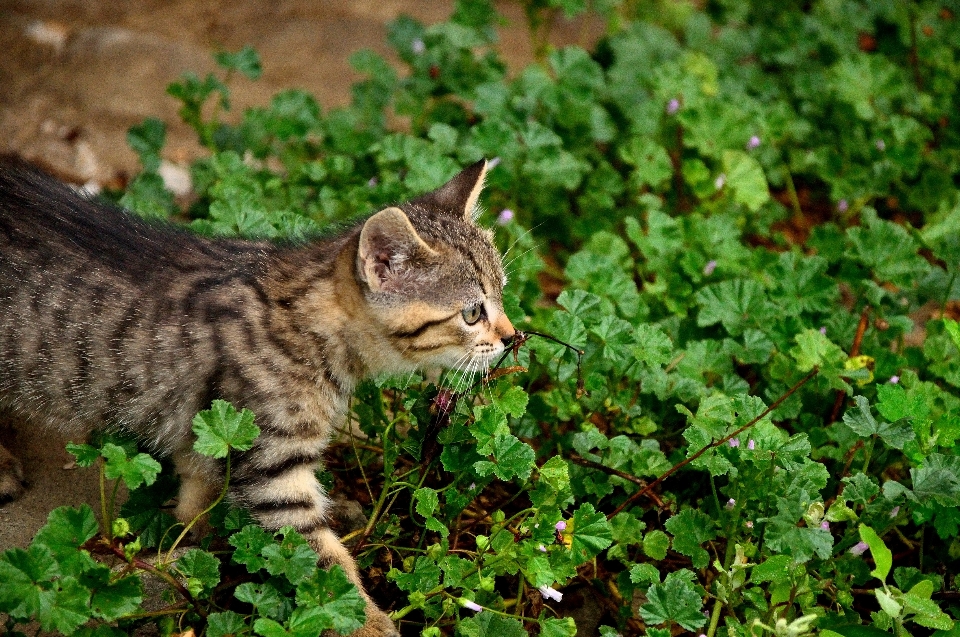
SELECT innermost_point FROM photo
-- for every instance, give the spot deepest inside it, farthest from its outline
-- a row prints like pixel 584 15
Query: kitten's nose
pixel 508 340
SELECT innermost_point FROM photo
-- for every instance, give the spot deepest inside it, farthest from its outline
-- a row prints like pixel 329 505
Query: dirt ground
pixel 76 74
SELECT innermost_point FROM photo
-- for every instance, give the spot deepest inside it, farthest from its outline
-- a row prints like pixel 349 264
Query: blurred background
pixel 76 74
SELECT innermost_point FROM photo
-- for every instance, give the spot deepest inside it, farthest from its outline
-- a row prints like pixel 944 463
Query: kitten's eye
pixel 471 314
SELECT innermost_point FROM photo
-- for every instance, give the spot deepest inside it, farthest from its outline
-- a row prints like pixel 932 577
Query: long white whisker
pixel 508 263
pixel 521 237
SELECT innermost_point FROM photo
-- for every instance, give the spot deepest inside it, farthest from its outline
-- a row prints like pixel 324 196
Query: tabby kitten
pixel 106 319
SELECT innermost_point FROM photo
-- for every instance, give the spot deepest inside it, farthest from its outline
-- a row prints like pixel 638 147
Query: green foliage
pixel 742 214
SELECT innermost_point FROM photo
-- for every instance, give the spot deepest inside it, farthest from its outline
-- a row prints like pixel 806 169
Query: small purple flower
pixel 473 485
pixel 894 512
pixel 823 330
pixel 825 525
pixel 475 607
pixel 673 106
pixel 720 181
pixel 734 442
pixel 560 526
pixel 881 145
pixel 751 444
pixel 505 216
pixel 730 504
pixel 493 163
pixel 417 46
pixel 710 267
pixel 894 380
pixel 753 143
pixel 842 205
pixel 373 182
pixel 550 593
pixel 859 548
pixel 542 548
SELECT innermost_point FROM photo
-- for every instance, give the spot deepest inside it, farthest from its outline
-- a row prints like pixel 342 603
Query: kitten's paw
pixel 11 476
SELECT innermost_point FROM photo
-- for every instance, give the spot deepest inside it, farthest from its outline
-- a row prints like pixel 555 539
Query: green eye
pixel 472 313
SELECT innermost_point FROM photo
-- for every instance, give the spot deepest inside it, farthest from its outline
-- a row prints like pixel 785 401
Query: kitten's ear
pixel 459 195
pixel 389 246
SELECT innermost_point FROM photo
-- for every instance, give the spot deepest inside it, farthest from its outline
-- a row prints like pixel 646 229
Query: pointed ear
pixel 459 195
pixel 389 250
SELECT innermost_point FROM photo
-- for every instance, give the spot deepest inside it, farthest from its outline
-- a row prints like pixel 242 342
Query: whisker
pixel 517 240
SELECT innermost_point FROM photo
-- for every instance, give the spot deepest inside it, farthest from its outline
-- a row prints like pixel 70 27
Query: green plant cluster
pixel 745 215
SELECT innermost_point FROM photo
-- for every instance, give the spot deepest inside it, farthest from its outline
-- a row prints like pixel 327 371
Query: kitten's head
pixel 434 281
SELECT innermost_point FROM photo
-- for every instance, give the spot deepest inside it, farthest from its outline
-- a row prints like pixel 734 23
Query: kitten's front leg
pixel 284 492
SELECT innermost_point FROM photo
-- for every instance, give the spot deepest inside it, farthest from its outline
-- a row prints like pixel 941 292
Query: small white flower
pixel 417 46
pixel 550 593
pixel 720 181
pixel 475 607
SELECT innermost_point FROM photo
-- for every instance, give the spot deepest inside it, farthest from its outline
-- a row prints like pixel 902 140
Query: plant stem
pixel 715 617
pixel 191 523
pixel 104 518
pixel 669 472
pixel 867 452
pixel 792 193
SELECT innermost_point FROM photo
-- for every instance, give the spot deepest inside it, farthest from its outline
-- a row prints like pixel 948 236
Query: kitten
pixel 107 320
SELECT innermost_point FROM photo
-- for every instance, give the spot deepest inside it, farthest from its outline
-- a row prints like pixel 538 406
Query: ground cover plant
pixel 744 217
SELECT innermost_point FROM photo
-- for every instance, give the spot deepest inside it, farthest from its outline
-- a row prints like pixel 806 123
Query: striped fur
pixel 107 320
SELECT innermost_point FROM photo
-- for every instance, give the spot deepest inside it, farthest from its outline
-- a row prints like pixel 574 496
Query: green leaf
pixel 86 455
pixel 776 569
pixel 140 469
pixel 225 624
pixel 675 600
pixel 861 420
pixel 67 607
pixel 200 566
pixel 644 574
pixel 222 428
pixel 591 533
pixel 246 61
pixel 888 603
pixel 249 543
pixel 556 473
pixel 489 424
pixel 490 625
pixel 338 600
pixel 113 600
pixel 655 544
pixel 427 501
pixel 882 556
pixel 147 141
pixel 558 627
pixel 745 177
pixel 65 531
pixel 691 528
pixel 650 160
pixel 513 401
pixel 264 597
pixel 424 576
pixel 20 573
pixel 953 329
pixel 938 480
pixel 737 304
pixel 291 557
pixel 512 458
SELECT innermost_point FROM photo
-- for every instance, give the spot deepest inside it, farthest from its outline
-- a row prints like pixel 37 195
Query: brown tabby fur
pixel 106 320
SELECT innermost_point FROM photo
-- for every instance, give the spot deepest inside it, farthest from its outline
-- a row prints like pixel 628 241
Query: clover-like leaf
pixel 222 428
pixel 675 600
pixel 140 469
